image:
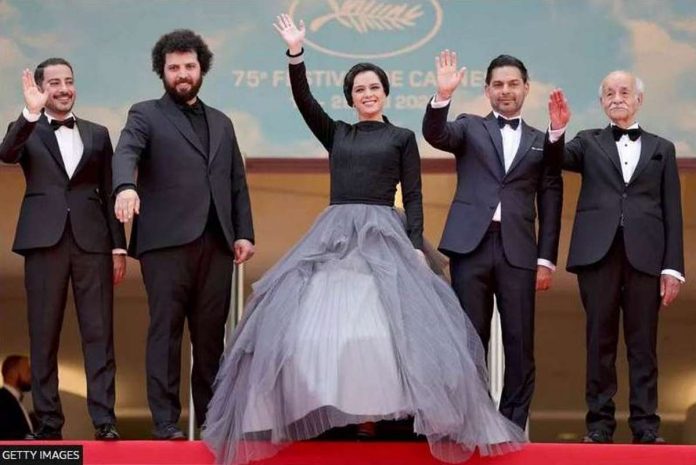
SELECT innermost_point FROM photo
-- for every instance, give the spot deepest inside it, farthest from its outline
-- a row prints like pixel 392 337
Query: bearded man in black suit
pixel 193 222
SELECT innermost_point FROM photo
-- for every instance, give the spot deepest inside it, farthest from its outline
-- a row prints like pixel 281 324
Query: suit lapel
pixel 87 136
pixel 215 131
pixel 48 137
pixel 176 116
pixel 491 125
pixel 526 141
pixel 608 144
pixel 648 144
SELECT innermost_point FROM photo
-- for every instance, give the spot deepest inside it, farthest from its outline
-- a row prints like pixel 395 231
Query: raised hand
pixel 559 111
pixel 34 98
pixel 448 76
pixel 291 34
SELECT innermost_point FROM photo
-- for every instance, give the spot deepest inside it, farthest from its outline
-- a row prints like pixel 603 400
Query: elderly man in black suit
pixel 67 233
pixel 627 251
pixel 193 222
pixel 504 177
pixel 16 378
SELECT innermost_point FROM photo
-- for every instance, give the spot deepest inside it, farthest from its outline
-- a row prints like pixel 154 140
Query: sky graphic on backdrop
pixel 564 43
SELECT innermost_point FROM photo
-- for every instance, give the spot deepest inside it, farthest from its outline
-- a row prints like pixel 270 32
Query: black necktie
pixel 512 122
pixel 69 123
pixel 632 134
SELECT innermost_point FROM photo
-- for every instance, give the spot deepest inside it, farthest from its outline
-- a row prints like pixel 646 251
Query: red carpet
pixel 381 453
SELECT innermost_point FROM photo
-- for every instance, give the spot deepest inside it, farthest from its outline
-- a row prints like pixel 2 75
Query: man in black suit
pixel 627 251
pixel 502 169
pixel 67 233
pixel 193 224
pixel 14 419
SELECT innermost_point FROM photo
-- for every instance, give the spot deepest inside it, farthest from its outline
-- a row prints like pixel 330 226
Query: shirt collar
pixel 633 126
pixel 50 118
pixel 196 108
pixel 14 391
pixel 496 114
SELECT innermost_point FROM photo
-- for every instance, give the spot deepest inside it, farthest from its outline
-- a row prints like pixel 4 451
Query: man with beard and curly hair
pixel 193 222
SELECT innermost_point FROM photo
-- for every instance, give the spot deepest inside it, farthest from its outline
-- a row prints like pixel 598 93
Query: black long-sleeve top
pixel 366 159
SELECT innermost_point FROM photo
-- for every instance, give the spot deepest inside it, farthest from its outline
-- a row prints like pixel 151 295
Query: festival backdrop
pixel 570 44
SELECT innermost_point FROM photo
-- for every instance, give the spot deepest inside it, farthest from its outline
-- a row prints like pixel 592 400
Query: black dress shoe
pixel 44 434
pixel 168 431
pixel 597 437
pixel 648 437
pixel 106 432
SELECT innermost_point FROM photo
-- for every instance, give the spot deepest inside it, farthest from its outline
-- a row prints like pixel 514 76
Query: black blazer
pixel 650 203
pixel 50 195
pixel 177 179
pixel 13 423
pixel 482 183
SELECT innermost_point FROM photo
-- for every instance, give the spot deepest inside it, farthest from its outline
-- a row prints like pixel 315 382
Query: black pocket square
pixel 657 157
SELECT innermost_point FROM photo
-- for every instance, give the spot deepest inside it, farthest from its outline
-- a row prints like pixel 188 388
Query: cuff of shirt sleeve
pixel 546 263
pixel 123 187
pixel 31 117
pixel 675 274
pixel 439 103
pixel 296 60
pixel 556 134
pixel 119 252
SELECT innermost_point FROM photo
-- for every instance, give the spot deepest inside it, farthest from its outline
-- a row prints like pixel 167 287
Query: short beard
pixel 183 99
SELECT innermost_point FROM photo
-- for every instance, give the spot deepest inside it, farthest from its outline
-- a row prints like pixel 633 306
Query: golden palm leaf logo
pixel 345 28
pixel 369 15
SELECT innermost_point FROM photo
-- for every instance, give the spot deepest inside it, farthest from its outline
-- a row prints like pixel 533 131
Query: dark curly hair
pixel 361 68
pixel 181 40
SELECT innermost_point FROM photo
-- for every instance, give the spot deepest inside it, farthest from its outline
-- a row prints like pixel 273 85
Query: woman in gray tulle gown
pixel 351 325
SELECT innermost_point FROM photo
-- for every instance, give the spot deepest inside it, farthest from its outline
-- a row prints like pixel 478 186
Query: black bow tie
pixel 512 122
pixel 632 134
pixel 68 123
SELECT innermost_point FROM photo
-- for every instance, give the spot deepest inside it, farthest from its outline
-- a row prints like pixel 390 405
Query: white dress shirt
pixel 511 142
pixel 629 153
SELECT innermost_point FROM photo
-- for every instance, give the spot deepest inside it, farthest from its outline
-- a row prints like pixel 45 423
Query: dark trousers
pixel 47 274
pixel 606 288
pixel 193 282
pixel 476 278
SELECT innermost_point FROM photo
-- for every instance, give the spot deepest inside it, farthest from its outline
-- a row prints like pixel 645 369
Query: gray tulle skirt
pixel 351 326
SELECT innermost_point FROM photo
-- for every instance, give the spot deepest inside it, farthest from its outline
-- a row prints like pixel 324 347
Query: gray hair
pixel 637 82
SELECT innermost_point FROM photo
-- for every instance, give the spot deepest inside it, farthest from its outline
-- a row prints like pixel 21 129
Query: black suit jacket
pixel 177 180
pixel 650 203
pixel 482 183
pixel 13 423
pixel 50 195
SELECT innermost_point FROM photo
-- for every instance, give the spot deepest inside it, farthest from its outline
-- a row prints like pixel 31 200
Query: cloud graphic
pixel 254 143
